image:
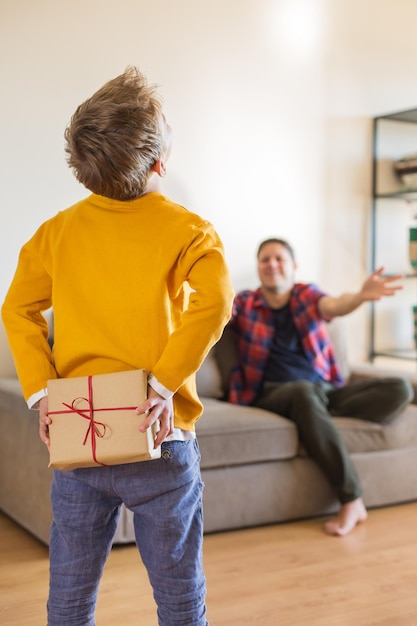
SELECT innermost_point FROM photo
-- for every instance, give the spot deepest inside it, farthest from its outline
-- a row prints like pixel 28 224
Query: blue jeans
pixel 165 496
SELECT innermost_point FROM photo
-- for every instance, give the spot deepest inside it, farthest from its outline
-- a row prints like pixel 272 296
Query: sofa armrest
pixel 367 371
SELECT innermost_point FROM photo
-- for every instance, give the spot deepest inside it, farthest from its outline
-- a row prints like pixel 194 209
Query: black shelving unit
pixel 395 192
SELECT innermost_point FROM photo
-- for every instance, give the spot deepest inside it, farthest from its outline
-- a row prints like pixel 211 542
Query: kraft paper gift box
pixel 94 421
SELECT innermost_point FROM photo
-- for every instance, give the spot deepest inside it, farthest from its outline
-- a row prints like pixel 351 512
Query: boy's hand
pixel 44 421
pixel 157 408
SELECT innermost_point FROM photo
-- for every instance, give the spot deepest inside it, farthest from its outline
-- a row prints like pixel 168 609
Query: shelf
pixel 407 355
pixel 408 196
pixel 410 116
pixel 402 274
pixel 394 135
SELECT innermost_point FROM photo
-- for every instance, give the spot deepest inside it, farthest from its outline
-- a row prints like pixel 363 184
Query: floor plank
pixel 283 575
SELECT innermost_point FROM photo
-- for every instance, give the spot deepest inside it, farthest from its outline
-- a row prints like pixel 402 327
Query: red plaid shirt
pixel 253 323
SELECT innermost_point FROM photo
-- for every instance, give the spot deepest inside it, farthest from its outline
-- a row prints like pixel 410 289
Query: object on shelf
pixel 415 325
pixel 412 247
pixel 406 169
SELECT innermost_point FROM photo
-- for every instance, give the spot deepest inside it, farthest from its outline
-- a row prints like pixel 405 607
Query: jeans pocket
pixel 181 452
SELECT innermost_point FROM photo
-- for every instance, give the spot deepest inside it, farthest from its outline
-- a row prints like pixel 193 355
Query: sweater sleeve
pixel 29 295
pixel 200 324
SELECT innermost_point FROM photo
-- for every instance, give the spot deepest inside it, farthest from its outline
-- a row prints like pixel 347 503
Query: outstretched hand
pixel 376 285
pixel 157 408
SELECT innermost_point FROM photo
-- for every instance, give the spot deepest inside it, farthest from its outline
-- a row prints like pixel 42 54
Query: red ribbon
pixel 93 428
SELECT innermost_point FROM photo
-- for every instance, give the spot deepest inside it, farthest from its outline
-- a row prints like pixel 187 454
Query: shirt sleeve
pixel 159 388
pixel 33 401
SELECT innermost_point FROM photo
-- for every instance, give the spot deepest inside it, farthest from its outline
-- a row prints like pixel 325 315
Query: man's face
pixel 276 268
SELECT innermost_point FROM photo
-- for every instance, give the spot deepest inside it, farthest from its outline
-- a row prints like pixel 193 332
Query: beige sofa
pixel 253 468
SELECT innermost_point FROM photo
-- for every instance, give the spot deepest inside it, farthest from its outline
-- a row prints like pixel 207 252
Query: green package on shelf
pixel 413 247
pixel 413 233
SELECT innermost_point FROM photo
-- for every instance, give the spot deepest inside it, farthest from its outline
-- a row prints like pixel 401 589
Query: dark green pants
pixel 311 407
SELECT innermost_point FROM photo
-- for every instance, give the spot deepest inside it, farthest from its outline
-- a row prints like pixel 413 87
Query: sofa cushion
pixel 231 435
pixel 363 436
pixel 237 435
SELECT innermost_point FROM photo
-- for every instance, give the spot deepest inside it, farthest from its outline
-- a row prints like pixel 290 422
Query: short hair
pixel 281 242
pixel 114 138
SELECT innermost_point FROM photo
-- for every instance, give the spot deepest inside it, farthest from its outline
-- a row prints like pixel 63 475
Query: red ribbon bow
pixel 93 427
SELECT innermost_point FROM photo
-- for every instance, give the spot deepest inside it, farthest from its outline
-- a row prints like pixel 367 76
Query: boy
pixel 135 281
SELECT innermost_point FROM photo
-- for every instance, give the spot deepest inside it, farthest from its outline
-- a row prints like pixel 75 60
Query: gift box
pixel 94 421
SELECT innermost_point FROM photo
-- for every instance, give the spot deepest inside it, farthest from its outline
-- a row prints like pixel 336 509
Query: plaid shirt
pixel 253 323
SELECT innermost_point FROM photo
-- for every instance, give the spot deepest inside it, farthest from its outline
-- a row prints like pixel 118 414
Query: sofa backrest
pixel 7 368
pixel 338 337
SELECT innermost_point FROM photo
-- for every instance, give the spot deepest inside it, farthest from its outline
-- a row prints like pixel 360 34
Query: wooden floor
pixel 284 575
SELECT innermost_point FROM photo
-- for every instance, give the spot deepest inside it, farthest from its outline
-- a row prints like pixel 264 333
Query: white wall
pixel 270 101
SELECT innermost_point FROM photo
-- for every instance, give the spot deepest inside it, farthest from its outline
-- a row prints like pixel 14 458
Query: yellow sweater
pixel 139 284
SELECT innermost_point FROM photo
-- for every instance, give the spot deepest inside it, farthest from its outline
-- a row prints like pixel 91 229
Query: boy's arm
pixel 209 307
pixel 29 295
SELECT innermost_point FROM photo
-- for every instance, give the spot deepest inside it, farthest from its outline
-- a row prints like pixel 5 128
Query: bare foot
pixel 350 514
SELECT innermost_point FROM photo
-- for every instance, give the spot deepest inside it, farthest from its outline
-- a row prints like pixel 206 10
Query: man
pixel 135 281
pixel 288 365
